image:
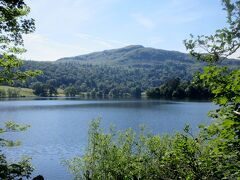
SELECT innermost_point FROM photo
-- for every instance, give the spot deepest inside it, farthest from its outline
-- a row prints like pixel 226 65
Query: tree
pixel 44 90
pixel 70 91
pixel 180 89
pixel 40 89
pixel 52 91
pixel 136 92
pixel 13 24
pixel 224 42
pixel 224 133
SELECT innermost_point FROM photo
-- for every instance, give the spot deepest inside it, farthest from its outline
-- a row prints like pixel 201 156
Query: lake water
pixel 59 127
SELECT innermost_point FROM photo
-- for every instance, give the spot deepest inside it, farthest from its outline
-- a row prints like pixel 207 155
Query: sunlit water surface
pixel 59 127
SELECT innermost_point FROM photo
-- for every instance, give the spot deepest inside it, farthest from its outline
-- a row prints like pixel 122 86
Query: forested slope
pixel 119 72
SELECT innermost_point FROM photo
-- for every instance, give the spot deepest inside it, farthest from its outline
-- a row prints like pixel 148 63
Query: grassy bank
pixel 14 92
pixel 9 92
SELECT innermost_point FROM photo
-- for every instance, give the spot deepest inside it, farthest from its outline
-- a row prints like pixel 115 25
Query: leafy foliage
pixel 224 42
pixel 223 83
pixel 44 90
pixel 70 91
pixel 13 24
pixel 9 69
pixel 224 133
pixel 175 88
pixel 105 80
pixel 127 155
pixel 13 170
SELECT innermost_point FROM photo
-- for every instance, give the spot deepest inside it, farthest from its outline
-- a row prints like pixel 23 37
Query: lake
pixel 59 127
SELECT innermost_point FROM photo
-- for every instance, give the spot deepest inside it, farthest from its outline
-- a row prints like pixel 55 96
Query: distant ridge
pixel 130 54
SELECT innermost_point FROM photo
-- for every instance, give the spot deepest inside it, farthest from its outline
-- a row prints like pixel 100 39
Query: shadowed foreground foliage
pixel 13 24
pixel 8 169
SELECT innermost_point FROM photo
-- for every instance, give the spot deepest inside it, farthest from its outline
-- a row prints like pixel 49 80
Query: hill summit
pixel 130 54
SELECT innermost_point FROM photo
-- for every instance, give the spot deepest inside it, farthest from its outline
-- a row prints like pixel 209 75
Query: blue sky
pixel 74 27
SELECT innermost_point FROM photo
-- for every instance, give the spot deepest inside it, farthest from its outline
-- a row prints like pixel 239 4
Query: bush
pixel 127 155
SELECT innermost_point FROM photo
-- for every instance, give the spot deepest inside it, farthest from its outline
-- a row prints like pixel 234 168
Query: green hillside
pixel 133 54
pixel 127 71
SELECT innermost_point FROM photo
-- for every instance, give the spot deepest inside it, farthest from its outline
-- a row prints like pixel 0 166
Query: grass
pixel 23 92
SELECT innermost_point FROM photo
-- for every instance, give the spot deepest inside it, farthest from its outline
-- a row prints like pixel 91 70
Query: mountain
pixel 133 54
pixel 117 72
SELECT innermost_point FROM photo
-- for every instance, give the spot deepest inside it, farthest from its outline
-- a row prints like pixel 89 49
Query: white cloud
pixel 100 41
pixel 45 49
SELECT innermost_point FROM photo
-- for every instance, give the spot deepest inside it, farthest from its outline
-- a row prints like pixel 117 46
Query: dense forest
pixel 104 80
pixel 123 72
pixel 176 88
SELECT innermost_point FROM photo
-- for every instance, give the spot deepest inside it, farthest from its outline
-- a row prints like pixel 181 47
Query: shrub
pixel 127 155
